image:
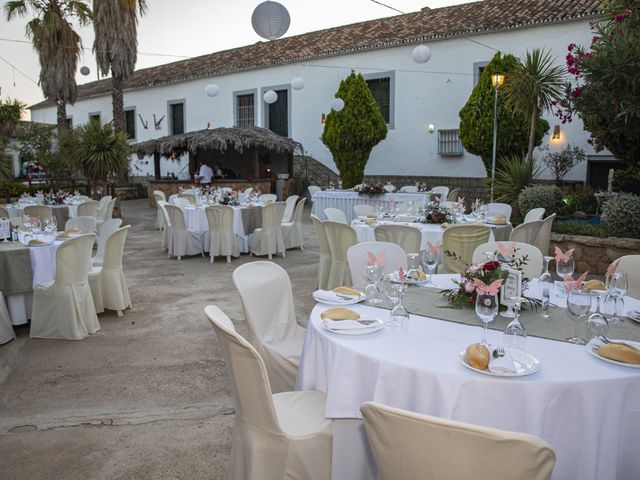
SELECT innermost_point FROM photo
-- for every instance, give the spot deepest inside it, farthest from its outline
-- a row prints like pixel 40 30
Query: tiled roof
pixel 428 24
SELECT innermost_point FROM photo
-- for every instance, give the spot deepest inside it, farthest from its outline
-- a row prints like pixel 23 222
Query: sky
pixel 187 28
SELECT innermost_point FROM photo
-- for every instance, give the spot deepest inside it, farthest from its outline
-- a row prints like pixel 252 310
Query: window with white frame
pixel 382 87
pixel 130 122
pixel 449 143
pixel 176 117
pixel 245 110
pixel 94 117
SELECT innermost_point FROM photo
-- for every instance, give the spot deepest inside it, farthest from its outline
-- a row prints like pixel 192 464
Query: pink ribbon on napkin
pixel 571 284
pixel 563 256
pixel 377 259
pixel 434 248
pixel 484 289
pixel 611 269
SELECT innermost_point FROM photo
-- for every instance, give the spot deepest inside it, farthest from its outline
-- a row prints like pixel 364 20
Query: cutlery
pixel 344 297
pixel 367 322
pixel 604 339
pixel 499 352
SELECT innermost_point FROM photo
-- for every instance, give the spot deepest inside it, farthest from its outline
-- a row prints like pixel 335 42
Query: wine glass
pixel 486 310
pixel 545 283
pixel 515 336
pixel 564 268
pixel 597 323
pixel 399 317
pixel 372 292
pixel 412 273
pixel 618 284
pixel 578 305
pixel 430 262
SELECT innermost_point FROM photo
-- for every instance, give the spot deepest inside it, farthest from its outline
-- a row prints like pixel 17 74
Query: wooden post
pixel 193 167
pixel 256 163
pixel 156 165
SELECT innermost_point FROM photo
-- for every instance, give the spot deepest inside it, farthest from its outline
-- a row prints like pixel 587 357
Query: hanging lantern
pixel 337 104
pixel 270 96
pixel 211 90
pixel 421 54
pixel 85 71
pixel 270 20
pixel 297 83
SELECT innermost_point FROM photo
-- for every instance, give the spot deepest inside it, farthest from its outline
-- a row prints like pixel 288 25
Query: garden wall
pixel 594 254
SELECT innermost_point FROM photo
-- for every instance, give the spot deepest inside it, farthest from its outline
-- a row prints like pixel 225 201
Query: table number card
pixel 512 286
pixel 5 229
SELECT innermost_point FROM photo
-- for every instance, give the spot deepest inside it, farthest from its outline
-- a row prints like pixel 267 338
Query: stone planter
pixel 594 254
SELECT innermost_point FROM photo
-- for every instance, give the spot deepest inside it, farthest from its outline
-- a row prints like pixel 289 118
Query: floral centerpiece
pixel 436 213
pixel 55 198
pixel 422 187
pixel 229 198
pixel 493 271
pixel 370 189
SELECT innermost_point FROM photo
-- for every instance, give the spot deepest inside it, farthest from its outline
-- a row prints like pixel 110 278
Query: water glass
pixel 429 262
pixel 412 273
pixel 618 284
pixel 486 310
pixel 578 305
pixel 515 336
pixel 597 323
pixel 399 317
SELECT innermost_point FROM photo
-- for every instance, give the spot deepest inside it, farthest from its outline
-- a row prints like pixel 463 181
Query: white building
pixel 171 98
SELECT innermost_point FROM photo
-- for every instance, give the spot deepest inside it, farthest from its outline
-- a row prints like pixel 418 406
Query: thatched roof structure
pixel 220 139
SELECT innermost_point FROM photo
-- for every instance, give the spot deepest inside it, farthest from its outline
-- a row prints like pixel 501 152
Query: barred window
pixel 449 143
pixel 130 122
pixel 245 110
pixel 381 91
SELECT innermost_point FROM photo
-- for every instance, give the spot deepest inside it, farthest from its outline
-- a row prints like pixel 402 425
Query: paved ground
pixel 148 396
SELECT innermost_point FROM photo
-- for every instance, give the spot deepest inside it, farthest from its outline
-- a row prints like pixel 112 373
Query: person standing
pixel 205 174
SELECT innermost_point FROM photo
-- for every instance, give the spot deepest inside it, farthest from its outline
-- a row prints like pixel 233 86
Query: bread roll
pixel 620 353
pixel 73 230
pixel 340 313
pixel 593 285
pixel 477 355
pixel 35 241
pixel 347 291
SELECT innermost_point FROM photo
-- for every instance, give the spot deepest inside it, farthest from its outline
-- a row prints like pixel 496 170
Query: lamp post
pixel 497 80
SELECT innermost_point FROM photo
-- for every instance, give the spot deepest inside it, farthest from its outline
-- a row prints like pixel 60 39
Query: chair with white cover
pixel 292 231
pixel 108 214
pixel 161 194
pixel 461 240
pixel 534 214
pixel 409 189
pixel 16 221
pixel 166 224
pixel 358 258
pixel 339 237
pixel 181 202
pixel 159 215
pixel 630 264
pixel 324 264
pixel 364 210
pixel 83 223
pixel 268 239
pixel 533 267
pixel 6 328
pixel 102 206
pixel 408 445
pixel 271 319
pixel 409 238
pixel 107 282
pixel 526 232
pixel 181 240
pixel 108 227
pixel 88 209
pixel 63 308
pixel 440 191
pixel 453 195
pixel 4 213
pixel 335 215
pixel 495 208
pixel 276 436
pixel 543 237
pixel 189 196
pixel 248 191
pixel 222 239
pixel 39 211
pixel 290 207
pixel 313 189
pixel 268 197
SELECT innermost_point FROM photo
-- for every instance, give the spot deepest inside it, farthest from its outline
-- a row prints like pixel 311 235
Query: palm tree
pixel 533 86
pixel 115 23
pixel 57 43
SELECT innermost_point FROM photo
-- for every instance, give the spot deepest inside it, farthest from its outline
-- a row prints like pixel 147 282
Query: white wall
pixel 424 94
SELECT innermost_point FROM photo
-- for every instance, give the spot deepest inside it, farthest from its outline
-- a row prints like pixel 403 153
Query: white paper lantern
pixel 297 83
pixel 211 90
pixel 337 104
pixel 421 54
pixel 270 96
pixel 85 71
pixel 270 20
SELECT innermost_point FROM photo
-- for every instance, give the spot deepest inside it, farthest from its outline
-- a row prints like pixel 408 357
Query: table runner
pixel 15 269
pixel 251 219
pixel 428 302
pixel 61 212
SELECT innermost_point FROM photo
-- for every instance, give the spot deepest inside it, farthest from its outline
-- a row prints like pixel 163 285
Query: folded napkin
pixel 344 324
pixel 502 365
pixel 329 296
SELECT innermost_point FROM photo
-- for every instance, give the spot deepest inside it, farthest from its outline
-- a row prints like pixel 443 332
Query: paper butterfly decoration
pixel 461 200
pixel 377 259
pixel 455 205
pixel 484 289
pixel 438 198
pixel 563 256
pixel 506 250
pixel 571 284
pixel 392 201
pixel 611 269
pixel 401 274
pixel 434 248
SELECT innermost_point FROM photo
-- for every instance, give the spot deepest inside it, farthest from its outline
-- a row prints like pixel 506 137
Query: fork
pixel 499 352
pixel 604 339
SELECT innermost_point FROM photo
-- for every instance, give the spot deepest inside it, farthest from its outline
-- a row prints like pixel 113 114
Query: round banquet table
pixel 61 212
pixel 586 409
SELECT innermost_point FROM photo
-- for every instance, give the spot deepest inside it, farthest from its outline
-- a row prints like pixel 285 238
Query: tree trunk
pixel 62 115
pixel 532 133
pixel 117 99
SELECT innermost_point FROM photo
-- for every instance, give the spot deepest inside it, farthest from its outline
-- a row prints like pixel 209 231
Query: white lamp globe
pixel 270 96
pixel 270 20
pixel 297 83
pixel 85 71
pixel 211 90
pixel 421 54
pixel 337 104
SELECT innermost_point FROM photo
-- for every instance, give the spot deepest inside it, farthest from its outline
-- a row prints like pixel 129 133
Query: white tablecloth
pixel 587 409
pixel 196 219
pixel 345 200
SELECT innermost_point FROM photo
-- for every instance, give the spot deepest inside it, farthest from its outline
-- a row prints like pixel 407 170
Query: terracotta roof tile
pixel 427 24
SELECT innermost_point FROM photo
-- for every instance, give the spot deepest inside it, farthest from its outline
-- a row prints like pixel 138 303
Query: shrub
pixel 15 188
pixel 548 197
pixel 513 176
pixel 584 201
pixel 627 180
pixel 621 214
pixel 576 227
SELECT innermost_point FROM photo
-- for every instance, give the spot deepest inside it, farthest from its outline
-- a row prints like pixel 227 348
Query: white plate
pixel 395 279
pixel 341 303
pixel 46 244
pixel 634 315
pixel 378 325
pixel 526 364
pixel 593 343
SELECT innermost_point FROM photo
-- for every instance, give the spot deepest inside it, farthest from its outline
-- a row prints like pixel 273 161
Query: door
pixel 278 114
